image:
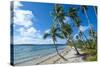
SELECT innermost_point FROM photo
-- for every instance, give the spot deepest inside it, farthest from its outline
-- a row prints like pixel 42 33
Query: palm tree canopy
pixel 53 33
pixel 67 28
pixel 58 13
pixel 72 12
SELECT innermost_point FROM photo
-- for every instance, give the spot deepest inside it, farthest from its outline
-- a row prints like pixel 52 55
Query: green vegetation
pixel 91 54
pixel 91 58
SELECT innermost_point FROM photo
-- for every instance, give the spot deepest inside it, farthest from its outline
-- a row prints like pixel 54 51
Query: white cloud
pixel 47 31
pixel 21 40
pixel 68 20
pixel 17 4
pixel 23 18
pixel 31 36
pixel 26 32
pixel 83 28
pixel 31 40
pixel 29 32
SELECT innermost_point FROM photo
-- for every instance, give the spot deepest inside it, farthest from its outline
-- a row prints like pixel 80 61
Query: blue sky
pixel 32 20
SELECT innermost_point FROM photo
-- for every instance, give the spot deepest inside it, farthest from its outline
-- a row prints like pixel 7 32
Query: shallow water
pixel 27 52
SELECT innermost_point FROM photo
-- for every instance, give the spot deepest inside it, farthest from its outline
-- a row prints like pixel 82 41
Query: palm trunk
pixel 56 47
pixel 87 40
pixel 94 7
pixel 77 52
pixel 86 16
pixel 58 52
pixel 72 42
pixel 83 42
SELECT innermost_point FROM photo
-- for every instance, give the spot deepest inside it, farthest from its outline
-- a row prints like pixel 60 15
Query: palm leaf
pixel 46 35
pixel 60 36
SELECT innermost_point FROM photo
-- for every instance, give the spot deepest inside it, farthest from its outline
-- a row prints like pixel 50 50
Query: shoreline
pixel 68 53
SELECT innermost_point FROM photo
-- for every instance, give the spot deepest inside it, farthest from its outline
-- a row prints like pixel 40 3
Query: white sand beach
pixel 68 53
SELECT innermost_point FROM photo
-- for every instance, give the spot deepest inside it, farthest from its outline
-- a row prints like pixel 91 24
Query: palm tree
pixel 67 31
pixel 53 34
pixel 60 17
pixel 72 13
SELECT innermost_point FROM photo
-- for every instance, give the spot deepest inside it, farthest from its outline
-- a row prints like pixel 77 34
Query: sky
pixel 32 20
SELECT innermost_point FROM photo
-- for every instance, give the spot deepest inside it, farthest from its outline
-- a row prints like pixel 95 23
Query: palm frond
pixel 46 35
pixel 60 36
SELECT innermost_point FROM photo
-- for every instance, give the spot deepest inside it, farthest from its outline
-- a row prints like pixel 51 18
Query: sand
pixel 68 53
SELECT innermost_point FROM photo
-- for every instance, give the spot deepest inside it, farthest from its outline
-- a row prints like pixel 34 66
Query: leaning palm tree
pixel 59 15
pixel 67 31
pixel 73 14
pixel 53 34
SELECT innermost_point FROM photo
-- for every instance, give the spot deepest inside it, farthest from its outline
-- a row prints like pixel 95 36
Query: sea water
pixel 22 53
